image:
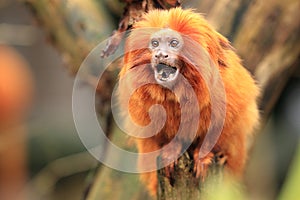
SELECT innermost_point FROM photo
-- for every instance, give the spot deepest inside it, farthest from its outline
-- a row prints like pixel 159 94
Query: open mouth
pixel 165 73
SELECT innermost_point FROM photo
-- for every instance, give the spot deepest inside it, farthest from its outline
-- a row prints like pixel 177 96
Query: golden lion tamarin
pixel 164 45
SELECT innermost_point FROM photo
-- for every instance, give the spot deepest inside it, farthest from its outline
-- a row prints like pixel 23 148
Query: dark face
pixel 165 45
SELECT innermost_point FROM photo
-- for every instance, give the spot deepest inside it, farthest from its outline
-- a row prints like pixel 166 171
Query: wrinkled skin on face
pixel 165 45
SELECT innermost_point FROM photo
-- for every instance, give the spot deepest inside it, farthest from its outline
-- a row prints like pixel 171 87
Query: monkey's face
pixel 165 46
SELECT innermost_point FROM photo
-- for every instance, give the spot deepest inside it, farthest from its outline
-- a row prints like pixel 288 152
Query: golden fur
pixel 241 91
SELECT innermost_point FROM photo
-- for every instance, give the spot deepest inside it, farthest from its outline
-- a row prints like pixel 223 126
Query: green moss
pixel 290 189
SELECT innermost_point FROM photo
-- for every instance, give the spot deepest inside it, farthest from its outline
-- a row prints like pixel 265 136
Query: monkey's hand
pixel 201 165
pixel 171 155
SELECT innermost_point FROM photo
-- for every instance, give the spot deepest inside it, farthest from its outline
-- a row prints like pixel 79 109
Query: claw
pixel 201 165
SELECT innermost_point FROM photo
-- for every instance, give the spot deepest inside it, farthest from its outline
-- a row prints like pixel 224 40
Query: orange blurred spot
pixel 16 87
pixel 16 90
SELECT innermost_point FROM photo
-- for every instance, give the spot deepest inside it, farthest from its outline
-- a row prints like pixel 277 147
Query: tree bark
pixel 265 35
pixel 269 43
pixel 186 185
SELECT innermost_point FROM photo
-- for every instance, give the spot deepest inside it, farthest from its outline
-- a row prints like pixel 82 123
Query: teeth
pixel 165 72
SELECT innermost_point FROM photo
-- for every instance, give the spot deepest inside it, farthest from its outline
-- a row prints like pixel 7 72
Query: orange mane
pixel 201 41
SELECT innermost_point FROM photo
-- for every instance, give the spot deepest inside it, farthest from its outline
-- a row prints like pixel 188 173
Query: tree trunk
pixel 186 185
pixel 265 35
pixel 269 43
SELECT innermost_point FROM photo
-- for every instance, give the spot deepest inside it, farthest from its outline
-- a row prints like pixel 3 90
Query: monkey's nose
pixel 161 55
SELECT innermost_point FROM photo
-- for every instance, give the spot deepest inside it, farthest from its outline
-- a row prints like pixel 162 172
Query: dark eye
pixel 154 43
pixel 174 43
